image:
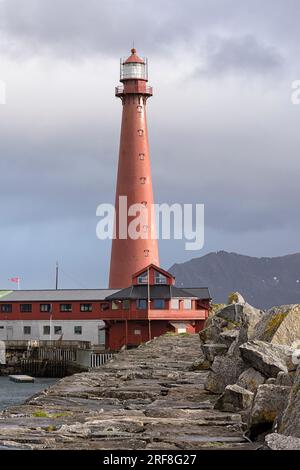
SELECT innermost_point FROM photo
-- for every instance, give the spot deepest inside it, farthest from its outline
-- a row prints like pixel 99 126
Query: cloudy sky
pixel 223 130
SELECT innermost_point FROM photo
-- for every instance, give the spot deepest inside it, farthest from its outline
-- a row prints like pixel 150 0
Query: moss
pixel 272 325
pixel 44 414
pixel 232 297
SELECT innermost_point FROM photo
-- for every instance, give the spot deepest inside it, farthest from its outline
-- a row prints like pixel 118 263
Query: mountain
pixel 263 282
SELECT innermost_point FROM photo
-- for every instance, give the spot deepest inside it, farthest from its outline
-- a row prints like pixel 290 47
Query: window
pixel 66 307
pixel 115 305
pixel 1 327
pixel 85 307
pixel 126 304
pixel 159 304
pixel 144 203
pixel 46 330
pixel 143 180
pixel 146 253
pixel 175 304
pixel 77 330
pixel 6 308
pixel 141 304
pixel 143 278
pixel 57 330
pixel 45 308
pixel 140 108
pixel 187 304
pixel 137 332
pixel 104 306
pixel 27 330
pixel 26 308
pixel 142 156
pixel 140 132
pixel 160 278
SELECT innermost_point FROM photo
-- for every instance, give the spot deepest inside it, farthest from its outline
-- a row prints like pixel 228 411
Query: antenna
pixel 56 276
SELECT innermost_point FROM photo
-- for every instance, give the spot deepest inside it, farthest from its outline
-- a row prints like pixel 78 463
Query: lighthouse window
pixel 25 308
pixel 140 132
pixel 66 307
pixel 143 180
pixel 85 307
pixel 140 108
pixel 6 308
pixel 175 304
pixel 115 305
pixel 143 278
pixel 104 306
pixel 159 304
pixel 46 330
pixel 126 304
pixel 160 278
pixel 45 308
pixel 146 253
pixel 141 304
pixel 57 330
pixel 187 304
pixel 142 156
pixel 144 203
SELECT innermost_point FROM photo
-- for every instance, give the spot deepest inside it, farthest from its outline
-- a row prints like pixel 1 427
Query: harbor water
pixel 12 393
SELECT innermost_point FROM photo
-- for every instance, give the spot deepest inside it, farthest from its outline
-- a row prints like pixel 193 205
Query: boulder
pixel 225 370
pixel 212 350
pixel 280 442
pixel 213 328
pixel 279 325
pixel 250 379
pixel 267 358
pixel 285 378
pixel 290 423
pixel 231 313
pixel 234 399
pixel 269 403
pixel 229 336
pixel 250 317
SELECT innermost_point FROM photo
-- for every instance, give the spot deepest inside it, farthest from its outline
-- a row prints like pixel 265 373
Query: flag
pixel 14 279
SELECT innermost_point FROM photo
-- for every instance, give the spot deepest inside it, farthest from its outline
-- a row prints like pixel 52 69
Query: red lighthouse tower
pixel 130 255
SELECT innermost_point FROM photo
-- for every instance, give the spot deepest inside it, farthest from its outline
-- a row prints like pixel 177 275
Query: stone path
pixel 147 398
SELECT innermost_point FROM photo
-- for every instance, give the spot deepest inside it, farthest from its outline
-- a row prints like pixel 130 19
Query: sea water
pixel 12 393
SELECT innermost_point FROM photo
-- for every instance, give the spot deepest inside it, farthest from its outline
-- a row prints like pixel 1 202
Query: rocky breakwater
pixel 253 361
pixel 148 398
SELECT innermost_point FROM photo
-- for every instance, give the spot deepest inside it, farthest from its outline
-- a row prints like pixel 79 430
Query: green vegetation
pixel 44 414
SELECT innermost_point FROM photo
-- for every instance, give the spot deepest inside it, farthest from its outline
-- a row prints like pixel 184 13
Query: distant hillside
pixel 264 282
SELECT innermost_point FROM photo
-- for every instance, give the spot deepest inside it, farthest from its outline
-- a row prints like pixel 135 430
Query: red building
pixel 152 306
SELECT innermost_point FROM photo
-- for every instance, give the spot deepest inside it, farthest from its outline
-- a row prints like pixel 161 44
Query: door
pixel 9 333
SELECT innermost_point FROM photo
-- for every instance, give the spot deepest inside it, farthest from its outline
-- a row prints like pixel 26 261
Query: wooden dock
pixel 21 378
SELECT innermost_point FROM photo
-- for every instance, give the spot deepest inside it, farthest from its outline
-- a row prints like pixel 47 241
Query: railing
pixel 148 90
pixel 10 344
pixel 97 360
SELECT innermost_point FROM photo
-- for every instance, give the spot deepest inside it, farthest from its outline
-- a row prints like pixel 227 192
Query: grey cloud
pixel 242 54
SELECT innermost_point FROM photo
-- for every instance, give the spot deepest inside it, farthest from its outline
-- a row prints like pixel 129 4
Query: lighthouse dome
pixel 134 68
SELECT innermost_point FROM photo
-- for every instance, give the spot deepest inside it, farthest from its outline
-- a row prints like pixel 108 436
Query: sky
pixel 223 130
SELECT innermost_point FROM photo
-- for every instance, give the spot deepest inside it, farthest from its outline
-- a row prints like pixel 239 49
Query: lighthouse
pixel 134 182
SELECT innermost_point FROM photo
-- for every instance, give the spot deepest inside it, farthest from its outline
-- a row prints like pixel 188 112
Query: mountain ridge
pixel 263 281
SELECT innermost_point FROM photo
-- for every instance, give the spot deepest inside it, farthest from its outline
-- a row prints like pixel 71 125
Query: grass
pixel 44 414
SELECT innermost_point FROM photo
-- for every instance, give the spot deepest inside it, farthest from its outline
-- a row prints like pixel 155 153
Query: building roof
pixel 53 295
pixel 159 292
pixel 134 58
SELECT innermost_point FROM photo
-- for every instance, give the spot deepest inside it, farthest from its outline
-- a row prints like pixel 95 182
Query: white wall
pixel 14 330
